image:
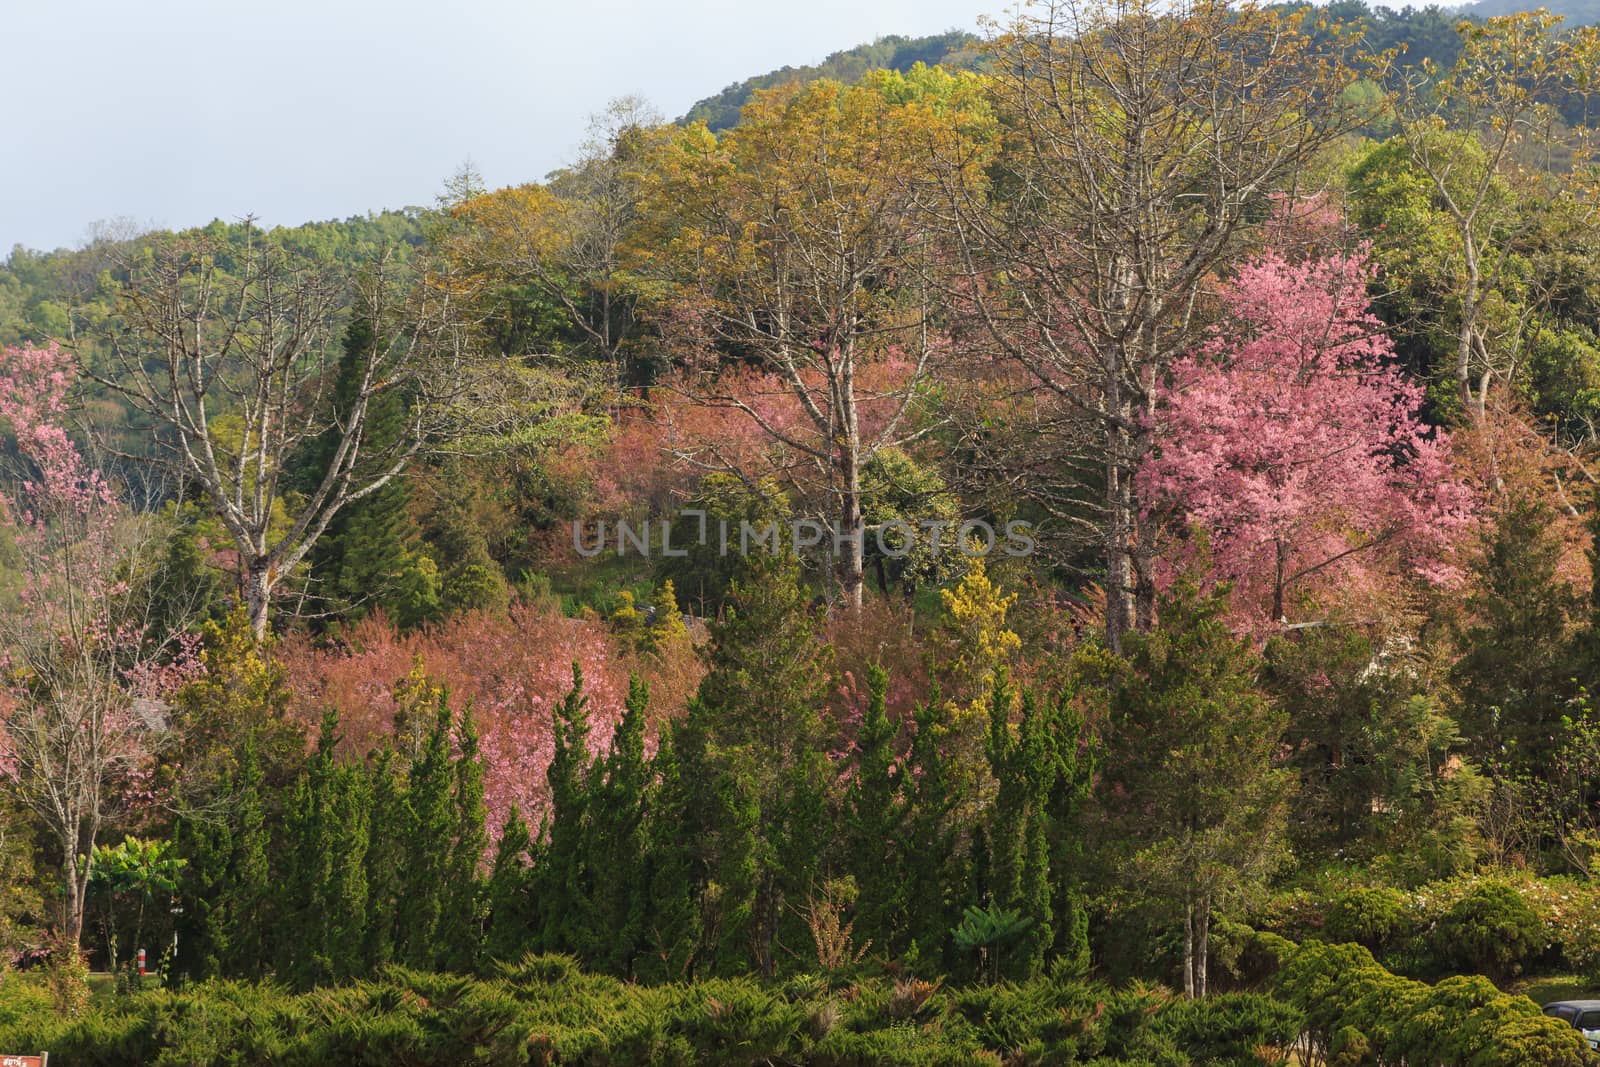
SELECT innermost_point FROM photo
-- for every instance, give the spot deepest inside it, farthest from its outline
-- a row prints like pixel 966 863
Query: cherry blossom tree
pixel 1295 443
pixel 83 667
pixel 511 668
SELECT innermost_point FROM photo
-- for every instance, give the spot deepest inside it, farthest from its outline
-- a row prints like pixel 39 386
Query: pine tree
pixel 1073 755
pixel 510 927
pixel 936 879
pixel 344 895
pixel 369 556
pixel 303 928
pixel 677 838
pixel 461 930
pixel 875 814
pixel 564 877
pixel 617 843
pixel 385 862
pixel 1199 802
pixel 430 821
pixel 762 700
pixel 1516 672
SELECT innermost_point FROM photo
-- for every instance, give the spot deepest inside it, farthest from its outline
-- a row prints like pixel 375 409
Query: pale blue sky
pixel 174 112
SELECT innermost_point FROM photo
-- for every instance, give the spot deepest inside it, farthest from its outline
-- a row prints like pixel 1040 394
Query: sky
pixel 174 112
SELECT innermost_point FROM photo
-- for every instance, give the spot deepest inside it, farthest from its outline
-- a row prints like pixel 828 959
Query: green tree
pixel 509 893
pixel 874 821
pixel 762 700
pixel 1191 787
pixel 565 876
pixel 462 918
pixel 1515 674
pixel 430 824
pixel 369 556
pixel 617 842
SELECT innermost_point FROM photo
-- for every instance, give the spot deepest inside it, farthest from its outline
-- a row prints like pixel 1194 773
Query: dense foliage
pixel 921 573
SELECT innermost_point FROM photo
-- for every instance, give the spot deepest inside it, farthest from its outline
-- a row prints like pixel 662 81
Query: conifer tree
pixel 1064 805
pixel 508 894
pixel 763 701
pixel 1516 671
pixel 1195 797
pixel 302 923
pixel 936 878
pixel 875 814
pixel 617 843
pixel 430 824
pixel 677 838
pixel 385 862
pixel 369 555
pixel 343 897
pixel 461 931
pixel 564 875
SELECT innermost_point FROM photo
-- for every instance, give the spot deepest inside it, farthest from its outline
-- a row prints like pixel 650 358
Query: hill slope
pixel 954 49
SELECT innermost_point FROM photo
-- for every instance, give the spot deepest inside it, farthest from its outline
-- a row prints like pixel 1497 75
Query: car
pixel 1584 1015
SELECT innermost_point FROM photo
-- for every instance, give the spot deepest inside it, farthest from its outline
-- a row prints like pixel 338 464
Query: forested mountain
pixel 954 50
pixel 900 578
pixel 1427 32
pixel 1576 12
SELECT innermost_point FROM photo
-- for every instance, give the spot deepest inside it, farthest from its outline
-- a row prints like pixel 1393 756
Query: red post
pixel 141 963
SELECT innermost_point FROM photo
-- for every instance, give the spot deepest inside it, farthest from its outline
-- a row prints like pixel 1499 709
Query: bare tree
pixel 230 350
pixel 1142 139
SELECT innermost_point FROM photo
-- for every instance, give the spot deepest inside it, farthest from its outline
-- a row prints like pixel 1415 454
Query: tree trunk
pixel 258 597
pixel 1469 325
pixel 852 533
pixel 1188 946
pixel 1120 524
pixel 1202 949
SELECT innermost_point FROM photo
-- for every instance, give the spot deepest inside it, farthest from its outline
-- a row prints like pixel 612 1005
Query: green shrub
pixel 1231 1029
pixel 1373 916
pixel 1491 930
pixel 1357 1013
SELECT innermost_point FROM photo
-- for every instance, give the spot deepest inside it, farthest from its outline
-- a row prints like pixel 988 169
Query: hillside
pixel 954 50
pixel 1576 12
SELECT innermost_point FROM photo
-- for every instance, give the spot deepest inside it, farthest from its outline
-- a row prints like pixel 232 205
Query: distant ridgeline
pixel 1427 32
pixel 954 50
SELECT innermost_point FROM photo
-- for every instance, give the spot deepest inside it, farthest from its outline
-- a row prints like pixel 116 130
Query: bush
pixel 1492 931
pixel 1375 917
pixel 1357 1013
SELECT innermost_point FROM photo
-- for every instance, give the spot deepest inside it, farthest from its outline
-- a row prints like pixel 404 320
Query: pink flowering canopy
pixel 1294 442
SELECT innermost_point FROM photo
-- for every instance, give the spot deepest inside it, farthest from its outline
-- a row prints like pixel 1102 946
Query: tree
pixel 800 241
pixel 323 903
pixel 1515 674
pixel 563 241
pixel 617 841
pixel 508 894
pixel 369 556
pixel 1190 786
pixel 85 675
pixel 770 768
pixel 430 827
pixel 1294 443
pixel 462 917
pixel 1471 128
pixel 227 891
pixel 227 349
pixel 874 814
pixel 566 873
pixel 1142 140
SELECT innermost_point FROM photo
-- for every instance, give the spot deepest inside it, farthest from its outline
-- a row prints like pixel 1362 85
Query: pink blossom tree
pixel 83 670
pixel 1292 439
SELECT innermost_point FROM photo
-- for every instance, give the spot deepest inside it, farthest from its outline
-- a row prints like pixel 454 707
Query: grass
pixel 1544 988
